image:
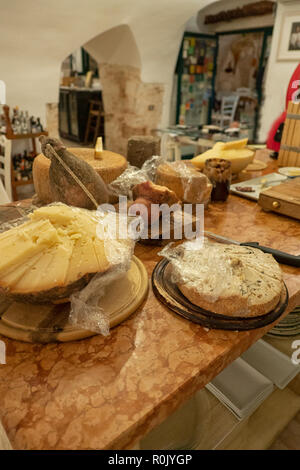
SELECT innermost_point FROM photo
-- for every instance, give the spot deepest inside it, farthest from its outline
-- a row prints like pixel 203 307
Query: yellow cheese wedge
pixel 59 214
pixel 234 144
pixel 83 261
pixel 71 220
pixel 42 260
pixel 239 158
pixel 30 282
pixel 27 229
pixel 24 244
pixel 12 275
pixel 99 248
pixel 50 270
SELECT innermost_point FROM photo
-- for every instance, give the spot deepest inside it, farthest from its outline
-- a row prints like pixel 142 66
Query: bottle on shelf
pixel 39 126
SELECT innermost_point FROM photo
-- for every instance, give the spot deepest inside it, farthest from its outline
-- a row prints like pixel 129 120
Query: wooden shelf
pixel 11 136
pixel 25 136
pixel 23 183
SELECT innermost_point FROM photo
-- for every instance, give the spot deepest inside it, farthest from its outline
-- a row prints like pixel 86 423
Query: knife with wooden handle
pixel 280 256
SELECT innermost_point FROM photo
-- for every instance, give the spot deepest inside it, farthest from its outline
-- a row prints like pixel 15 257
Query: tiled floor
pixel 289 439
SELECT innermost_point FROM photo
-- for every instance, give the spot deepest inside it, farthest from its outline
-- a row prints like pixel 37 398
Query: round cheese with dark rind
pixel 230 280
pixel 109 166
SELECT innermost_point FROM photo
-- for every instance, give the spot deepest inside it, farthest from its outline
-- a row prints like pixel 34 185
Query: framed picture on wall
pixel 289 39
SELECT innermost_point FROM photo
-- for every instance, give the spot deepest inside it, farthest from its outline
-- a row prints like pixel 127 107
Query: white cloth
pixel 4 199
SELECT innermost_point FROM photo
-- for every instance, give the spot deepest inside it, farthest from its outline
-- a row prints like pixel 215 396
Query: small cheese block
pixel 188 184
pixel 142 148
pixel 25 244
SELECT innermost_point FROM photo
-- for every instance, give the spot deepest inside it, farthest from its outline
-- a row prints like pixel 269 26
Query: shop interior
pixel 150 225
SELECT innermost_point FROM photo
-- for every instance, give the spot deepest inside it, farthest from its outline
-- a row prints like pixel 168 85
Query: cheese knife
pixel 280 256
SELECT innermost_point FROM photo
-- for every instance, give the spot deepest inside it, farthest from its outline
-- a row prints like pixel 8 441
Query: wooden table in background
pixel 108 392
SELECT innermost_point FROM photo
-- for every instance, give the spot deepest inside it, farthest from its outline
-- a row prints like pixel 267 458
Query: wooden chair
pixel 228 110
pixel 5 165
pixel 95 122
pixel 170 147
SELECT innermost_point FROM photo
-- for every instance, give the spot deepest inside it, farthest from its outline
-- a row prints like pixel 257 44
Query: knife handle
pixel 280 256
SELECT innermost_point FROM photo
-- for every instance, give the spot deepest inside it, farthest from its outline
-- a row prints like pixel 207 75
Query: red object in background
pixel 294 85
pixel 271 143
pixel 292 94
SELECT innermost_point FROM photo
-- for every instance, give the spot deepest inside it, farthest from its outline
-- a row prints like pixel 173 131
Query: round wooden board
pixel 256 165
pixel 48 323
pixel 168 293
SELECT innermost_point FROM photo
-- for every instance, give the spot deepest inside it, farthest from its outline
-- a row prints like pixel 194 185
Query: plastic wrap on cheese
pixel 213 276
pixel 86 311
pixel 59 253
pixel 226 279
pixel 188 183
pixel 133 175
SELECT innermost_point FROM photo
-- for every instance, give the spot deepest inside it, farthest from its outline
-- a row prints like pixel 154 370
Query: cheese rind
pixel 109 167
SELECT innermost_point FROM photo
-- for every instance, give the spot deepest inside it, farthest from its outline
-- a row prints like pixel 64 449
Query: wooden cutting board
pixel 48 323
pixel 283 199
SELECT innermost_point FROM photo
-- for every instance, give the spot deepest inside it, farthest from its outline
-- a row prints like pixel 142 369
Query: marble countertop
pixel 108 392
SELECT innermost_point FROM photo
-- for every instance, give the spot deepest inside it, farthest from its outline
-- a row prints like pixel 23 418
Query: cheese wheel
pixel 229 280
pixel 188 184
pixel 55 254
pixel 109 167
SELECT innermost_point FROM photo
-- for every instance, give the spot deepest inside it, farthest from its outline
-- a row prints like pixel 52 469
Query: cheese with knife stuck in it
pixel 52 255
pixel 235 151
pixel 108 165
pixel 188 184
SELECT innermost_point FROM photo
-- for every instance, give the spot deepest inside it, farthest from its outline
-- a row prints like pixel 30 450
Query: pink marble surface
pixel 108 392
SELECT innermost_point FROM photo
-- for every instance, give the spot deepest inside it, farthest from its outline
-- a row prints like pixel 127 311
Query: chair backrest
pixel 170 147
pixel 244 91
pixel 228 108
pixel 5 164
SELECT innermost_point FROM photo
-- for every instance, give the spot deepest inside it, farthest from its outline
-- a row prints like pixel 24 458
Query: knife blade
pixel 280 256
